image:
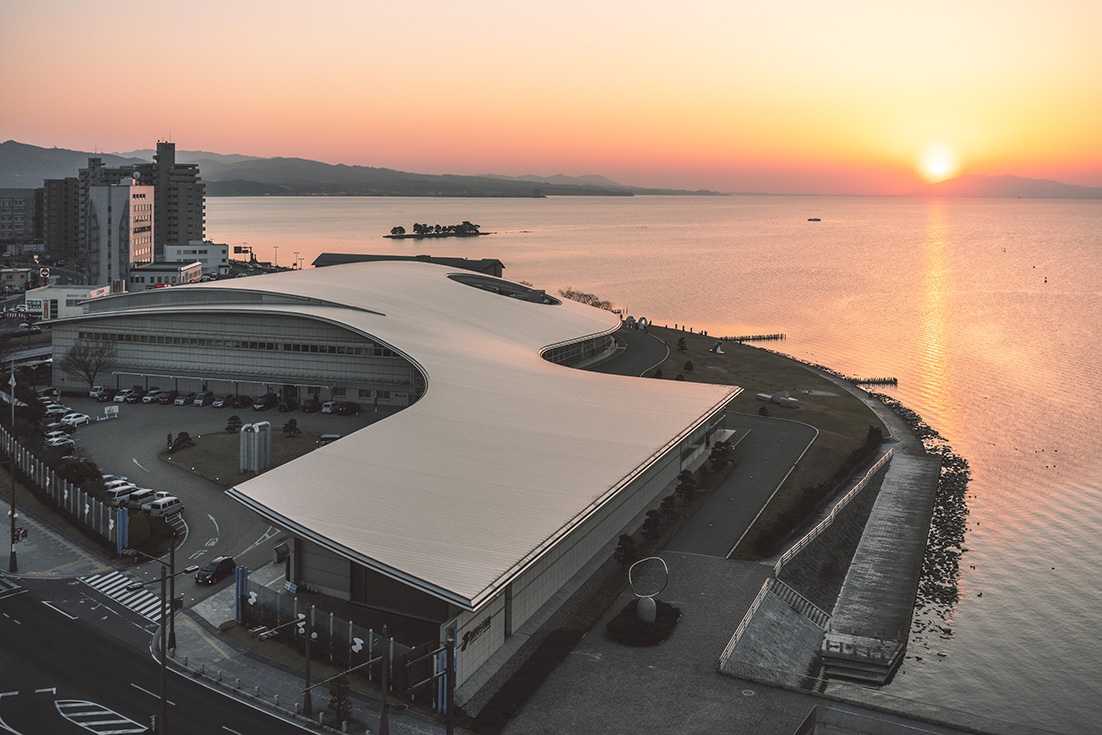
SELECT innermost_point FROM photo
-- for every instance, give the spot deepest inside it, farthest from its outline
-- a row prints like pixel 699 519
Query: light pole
pixel 295 260
pixel 13 563
pixel 275 258
pixel 168 571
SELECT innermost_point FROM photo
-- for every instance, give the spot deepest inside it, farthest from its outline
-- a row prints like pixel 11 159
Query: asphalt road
pixel 63 674
pixel 216 525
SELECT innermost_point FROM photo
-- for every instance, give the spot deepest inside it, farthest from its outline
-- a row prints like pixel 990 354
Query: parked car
pixel 142 495
pixel 152 396
pixel 327 439
pixel 215 569
pixel 148 502
pixel 109 478
pixel 223 401
pixel 242 401
pixel 286 405
pixel 203 399
pixel 97 391
pixel 168 396
pixel 76 419
pixel 58 426
pixel 166 507
pixel 118 495
pixel 184 399
pixel 124 395
pixel 107 395
pixel 60 441
pixel 311 405
pixel 134 397
pixel 346 408
pixel 55 435
pixel 328 406
pixel 57 410
pixel 266 401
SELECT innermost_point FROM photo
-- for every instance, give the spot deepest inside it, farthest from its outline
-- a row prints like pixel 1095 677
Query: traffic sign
pixel 45 272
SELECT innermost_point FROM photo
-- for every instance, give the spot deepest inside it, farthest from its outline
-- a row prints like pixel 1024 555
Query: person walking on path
pixel 170 440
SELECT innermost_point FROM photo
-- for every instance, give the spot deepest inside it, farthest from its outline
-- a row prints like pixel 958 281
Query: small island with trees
pixel 463 229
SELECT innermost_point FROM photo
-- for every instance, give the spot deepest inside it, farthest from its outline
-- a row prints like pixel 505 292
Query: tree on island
pixel 585 298
pixel 399 230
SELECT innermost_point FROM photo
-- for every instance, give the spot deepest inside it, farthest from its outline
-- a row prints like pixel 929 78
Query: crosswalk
pixel 113 584
pixel 97 718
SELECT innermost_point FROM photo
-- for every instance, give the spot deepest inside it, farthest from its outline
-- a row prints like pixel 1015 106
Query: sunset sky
pixel 799 97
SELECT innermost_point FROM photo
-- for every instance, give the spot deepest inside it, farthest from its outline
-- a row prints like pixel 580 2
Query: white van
pixel 116 496
pixel 165 507
pixel 139 497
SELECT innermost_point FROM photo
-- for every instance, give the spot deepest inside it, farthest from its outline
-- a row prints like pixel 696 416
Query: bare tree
pixel 88 358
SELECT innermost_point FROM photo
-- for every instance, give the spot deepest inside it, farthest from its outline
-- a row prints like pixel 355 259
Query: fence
pixel 825 523
pixel 77 504
pixel 347 645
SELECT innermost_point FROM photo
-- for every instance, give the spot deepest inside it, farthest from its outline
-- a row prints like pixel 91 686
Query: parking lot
pixel 132 444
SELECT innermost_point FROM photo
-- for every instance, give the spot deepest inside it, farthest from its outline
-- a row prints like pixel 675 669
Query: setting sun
pixel 937 162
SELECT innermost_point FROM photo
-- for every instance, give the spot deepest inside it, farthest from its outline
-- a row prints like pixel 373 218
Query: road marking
pixel 97 718
pixel 267 535
pixel 135 460
pixel 113 584
pixel 72 617
pixel 235 732
pixel 146 691
pixel 51 690
pixel 216 531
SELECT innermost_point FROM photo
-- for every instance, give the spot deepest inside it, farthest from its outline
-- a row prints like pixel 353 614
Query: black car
pixel 224 401
pixel 242 401
pixel 311 405
pixel 107 396
pixel 287 405
pixel 266 401
pixel 346 408
pixel 168 396
pixel 215 569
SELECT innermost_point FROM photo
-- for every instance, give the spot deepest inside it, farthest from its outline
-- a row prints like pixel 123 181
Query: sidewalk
pixel 202 651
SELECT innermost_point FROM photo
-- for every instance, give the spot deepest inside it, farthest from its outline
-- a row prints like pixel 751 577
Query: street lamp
pixel 275 258
pixel 168 572
pixel 295 260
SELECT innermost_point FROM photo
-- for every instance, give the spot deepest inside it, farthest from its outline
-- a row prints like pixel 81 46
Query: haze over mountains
pixel 26 166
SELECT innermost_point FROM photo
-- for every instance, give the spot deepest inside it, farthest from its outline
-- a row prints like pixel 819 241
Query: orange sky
pixel 806 97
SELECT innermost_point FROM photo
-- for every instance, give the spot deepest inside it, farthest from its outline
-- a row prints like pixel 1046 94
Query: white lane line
pixel 135 460
pixel 51 690
pixel 145 691
pixel 235 732
pixel 47 604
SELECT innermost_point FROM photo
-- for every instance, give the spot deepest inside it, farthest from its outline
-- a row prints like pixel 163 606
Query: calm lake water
pixel 987 311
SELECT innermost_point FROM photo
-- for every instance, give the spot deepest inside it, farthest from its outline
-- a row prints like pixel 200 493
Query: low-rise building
pixel 61 302
pixel 214 257
pixel 163 274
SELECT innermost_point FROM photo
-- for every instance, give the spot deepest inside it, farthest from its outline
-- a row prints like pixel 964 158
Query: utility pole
pixel 13 562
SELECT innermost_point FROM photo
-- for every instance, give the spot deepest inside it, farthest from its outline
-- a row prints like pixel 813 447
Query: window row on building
pixel 363 350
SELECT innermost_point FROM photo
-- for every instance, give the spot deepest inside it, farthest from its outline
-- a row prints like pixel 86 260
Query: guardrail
pixel 825 523
pixel 730 648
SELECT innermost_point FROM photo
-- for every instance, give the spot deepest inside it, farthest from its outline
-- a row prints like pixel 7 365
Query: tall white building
pixel 120 231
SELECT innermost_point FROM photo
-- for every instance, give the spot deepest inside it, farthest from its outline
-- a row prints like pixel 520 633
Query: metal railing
pixel 825 523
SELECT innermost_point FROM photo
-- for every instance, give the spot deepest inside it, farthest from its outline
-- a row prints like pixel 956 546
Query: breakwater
pixel 756 338
pixel 872 381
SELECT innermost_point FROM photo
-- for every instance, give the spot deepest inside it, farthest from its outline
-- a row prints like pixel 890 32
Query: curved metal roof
pixel 503 455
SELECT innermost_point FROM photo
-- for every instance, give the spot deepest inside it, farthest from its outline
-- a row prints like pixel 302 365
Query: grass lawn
pixel 217 457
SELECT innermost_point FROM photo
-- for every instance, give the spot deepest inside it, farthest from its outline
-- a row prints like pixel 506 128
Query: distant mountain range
pixel 26 166
pixel 1006 187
